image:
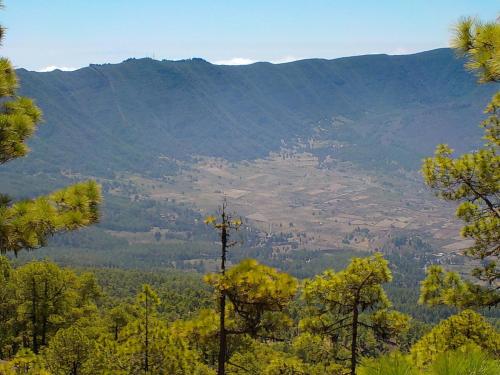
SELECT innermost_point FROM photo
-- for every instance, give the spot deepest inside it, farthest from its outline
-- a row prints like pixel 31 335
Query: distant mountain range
pixel 142 113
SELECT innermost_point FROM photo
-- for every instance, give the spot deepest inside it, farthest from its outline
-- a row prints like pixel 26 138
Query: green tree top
pixel 256 292
pixel 468 327
pixel 27 224
pixel 339 305
pixel 473 179
pixel 479 42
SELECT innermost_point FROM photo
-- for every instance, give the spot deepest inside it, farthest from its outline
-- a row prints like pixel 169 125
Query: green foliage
pixel 70 352
pixel 181 255
pixel 118 212
pixel 40 298
pixel 119 317
pixel 146 344
pixel 390 364
pixel 18 116
pixel 409 265
pixel 271 359
pixel 259 358
pixel 312 348
pixel 359 285
pixel 340 304
pixel 467 360
pixel 201 332
pixel 24 363
pixel 465 328
pixel 259 296
pixel 147 300
pixel 479 42
pixel 448 288
pixel 7 307
pixel 28 223
pixel 181 293
pixel 166 353
pixel 89 332
pixel 473 179
pixel 285 366
pixel 44 296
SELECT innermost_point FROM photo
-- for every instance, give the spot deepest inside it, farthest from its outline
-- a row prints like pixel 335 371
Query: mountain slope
pixel 126 116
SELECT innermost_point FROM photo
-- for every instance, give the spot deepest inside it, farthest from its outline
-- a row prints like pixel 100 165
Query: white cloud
pixel 235 61
pixel 400 51
pixel 246 61
pixel 53 67
pixel 283 60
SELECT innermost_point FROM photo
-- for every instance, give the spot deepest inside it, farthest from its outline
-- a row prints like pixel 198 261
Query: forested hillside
pixel 137 115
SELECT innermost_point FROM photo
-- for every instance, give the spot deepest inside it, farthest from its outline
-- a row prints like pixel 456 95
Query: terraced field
pixel 323 205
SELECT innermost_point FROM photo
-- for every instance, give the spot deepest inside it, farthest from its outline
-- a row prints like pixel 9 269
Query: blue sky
pixel 74 33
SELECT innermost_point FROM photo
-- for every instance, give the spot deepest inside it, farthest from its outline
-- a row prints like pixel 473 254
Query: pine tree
pixel 449 289
pixel 27 224
pixel 146 344
pixel 465 328
pixel 25 362
pixel 473 179
pixel 469 359
pixel 7 309
pixel 259 297
pixel 201 331
pixel 147 302
pixel 225 226
pixel 118 317
pixel 44 296
pixel 340 305
pixel 69 352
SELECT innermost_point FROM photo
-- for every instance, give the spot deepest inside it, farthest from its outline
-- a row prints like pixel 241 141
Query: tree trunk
pixel 33 317
pixel 222 330
pixel 146 354
pixel 222 337
pixel 44 331
pixel 354 342
pixel 45 313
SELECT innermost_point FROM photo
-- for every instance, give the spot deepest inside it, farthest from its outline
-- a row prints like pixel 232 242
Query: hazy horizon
pixel 234 62
pixel 224 32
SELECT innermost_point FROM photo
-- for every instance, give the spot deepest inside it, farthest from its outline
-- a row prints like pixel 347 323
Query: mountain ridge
pixel 201 59
pixel 126 116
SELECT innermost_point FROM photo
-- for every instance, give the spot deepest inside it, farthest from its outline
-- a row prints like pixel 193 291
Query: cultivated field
pixel 323 206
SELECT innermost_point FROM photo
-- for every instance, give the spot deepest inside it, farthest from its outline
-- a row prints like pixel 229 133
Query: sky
pixel 69 34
